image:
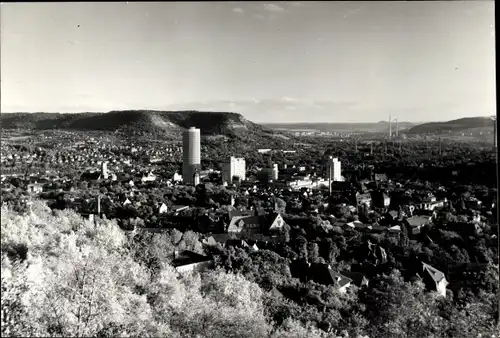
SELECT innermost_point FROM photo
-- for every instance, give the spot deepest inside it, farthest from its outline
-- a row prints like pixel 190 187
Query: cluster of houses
pixel 415 209
pixel 87 153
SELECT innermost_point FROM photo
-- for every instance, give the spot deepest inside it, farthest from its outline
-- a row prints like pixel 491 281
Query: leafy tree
pixel 313 252
pixel 300 245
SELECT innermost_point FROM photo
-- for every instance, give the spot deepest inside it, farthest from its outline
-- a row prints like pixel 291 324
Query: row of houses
pixel 321 273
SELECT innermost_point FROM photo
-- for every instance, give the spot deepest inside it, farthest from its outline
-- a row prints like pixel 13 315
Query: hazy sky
pixel 272 62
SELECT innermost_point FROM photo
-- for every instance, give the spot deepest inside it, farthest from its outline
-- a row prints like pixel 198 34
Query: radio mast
pixel 390 126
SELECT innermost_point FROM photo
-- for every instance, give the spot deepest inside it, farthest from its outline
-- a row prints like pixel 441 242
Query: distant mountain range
pixel 229 124
pixel 375 127
pixel 210 123
pixel 462 124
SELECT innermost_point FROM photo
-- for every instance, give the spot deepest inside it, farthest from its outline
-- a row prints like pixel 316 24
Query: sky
pixel 272 62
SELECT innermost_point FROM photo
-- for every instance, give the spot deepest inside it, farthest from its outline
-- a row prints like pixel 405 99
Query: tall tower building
pixel 234 167
pixel 275 172
pixel 191 160
pixel 104 170
pixel 334 170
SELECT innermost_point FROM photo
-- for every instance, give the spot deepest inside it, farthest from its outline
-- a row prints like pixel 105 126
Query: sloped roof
pixel 237 242
pixel 378 227
pixel 178 207
pixel 356 224
pixel 93 176
pixel 364 196
pixel 233 223
pixel 380 177
pixel 210 241
pixel 341 185
pixel 395 228
pixel 393 213
pixel 434 273
pixel 189 257
pixel 234 213
pixel 357 278
pixel 416 221
pixel 249 219
pixel 323 274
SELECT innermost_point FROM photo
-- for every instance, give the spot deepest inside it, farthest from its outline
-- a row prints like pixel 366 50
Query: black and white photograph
pixel 249 169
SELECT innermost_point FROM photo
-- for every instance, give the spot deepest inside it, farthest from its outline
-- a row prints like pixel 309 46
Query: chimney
pixel 329 176
pixel 176 254
pixel 494 133
pixel 390 126
pixel 98 205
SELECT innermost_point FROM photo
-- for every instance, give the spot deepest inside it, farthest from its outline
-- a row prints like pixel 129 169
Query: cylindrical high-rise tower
pixel 104 170
pixel 190 154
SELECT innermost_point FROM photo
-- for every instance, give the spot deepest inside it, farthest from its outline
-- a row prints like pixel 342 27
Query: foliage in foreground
pixel 61 276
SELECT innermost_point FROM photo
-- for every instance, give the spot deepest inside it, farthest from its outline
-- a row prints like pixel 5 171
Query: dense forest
pixel 63 275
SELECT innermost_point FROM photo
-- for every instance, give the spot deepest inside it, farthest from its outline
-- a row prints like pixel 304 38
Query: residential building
pixel 275 172
pixel 334 170
pixel 380 199
pixel 35 188
pixel 90 176
pixel 177 177
pixel 189 261
pixel 364 199
pixel 191 154
pixel 272 223
pixel 235 167
pixel 306 182
pixel 163 209
pixel 324 274
pixel 269 174
pixel 150 177
pixel 381 178
pixel 196 178
pixel 358 278
pixel 248 224
pixel 415 223
pixel 434 279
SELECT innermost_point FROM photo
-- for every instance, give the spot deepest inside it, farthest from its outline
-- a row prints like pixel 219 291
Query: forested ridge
pixel 64 276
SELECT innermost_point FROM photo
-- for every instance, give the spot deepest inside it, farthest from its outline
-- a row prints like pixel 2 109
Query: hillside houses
pixel 35 188
pixel 322 274
pixel 188 261
pixel 415 224
pixel 272 223
pixel 434 279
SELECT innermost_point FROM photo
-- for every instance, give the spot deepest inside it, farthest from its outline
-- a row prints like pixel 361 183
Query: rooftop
pixel 188 257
